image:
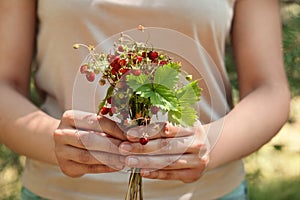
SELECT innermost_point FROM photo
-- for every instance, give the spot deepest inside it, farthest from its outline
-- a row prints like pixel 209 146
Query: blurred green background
pixel 273 172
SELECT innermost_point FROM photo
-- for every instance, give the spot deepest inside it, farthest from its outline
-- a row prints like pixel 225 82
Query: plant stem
pixel 134 190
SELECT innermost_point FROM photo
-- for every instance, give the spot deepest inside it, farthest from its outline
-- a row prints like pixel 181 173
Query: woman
pixel 48 136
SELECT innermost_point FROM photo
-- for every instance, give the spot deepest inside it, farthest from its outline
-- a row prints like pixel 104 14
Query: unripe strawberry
pixel 189 77
pixel 102 82
pixel 90 76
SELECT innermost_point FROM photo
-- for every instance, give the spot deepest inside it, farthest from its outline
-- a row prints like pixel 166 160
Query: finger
pixel 190 144
pixel 112 128
pixel 91 157
pixel 73 169
pixel 87 140
pixel 158 130
pixel 186 176
pixel 164 161
pixel 90 121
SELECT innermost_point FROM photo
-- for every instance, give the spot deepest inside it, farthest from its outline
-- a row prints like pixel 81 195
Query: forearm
pixel 251 124
pixel 24 128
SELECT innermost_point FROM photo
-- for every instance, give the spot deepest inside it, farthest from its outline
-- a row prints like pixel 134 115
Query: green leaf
pixel 160 96
pixel 174 65
pixel 166 76
pixel 134 82
pixel 108 94
pixel 189 94
pixel 185 116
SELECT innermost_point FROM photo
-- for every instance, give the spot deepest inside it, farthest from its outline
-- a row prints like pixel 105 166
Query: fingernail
pixel 132 161
pixel 132 134
pixel 119 167
pixel 122 160
pixel 126 147
pixel 202 152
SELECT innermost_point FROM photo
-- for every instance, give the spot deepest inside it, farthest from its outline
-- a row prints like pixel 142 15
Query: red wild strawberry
pixel 123 70
pixel 113 110
pixel 115 63
pixel 90 76
pixel 144 54
pixel 120 48
pixel 163 62
pixel 152 55
pixel 143 140
pixel 111 58
pixel 108 100
pixel 139 58
pixel 154 110
pixel 104 110
pixel 114 71
pixel 123 62
pixel 83 69
pixel 136 72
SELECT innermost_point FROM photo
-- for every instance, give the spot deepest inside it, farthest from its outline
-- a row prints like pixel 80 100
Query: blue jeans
pixel 240 193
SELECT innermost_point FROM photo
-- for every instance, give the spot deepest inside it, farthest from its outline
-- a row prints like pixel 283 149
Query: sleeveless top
pixel 63 23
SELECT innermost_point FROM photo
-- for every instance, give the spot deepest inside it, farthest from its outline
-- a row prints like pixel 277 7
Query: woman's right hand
pixel 87 143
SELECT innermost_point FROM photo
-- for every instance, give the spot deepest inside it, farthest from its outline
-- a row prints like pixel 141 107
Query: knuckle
pixel 107 159
pixel 166 175
pixel 171 161
pixel 93 168
pixel 68 116
pixel 112 147
pixel 57 135
pixel 67 170
pixel 84 156
pixel 164 144
pixel 188 180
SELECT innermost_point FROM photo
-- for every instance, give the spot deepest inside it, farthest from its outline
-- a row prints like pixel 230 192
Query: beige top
pixel 194 31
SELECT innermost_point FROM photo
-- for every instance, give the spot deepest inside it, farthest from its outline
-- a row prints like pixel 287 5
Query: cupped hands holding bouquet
pixel 150 106
pixel 172 153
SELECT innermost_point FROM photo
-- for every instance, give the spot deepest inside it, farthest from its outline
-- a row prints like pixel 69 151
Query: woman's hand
pixel 172 153
pixel 87 143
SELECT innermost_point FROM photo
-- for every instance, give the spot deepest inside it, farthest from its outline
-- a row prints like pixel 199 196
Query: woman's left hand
pixel 172 153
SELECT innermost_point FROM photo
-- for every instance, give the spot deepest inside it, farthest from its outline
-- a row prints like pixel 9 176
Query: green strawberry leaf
pixel 185 116
pixel 189 94
pixel 160 96
pixel 134 82
pixel 108 94
pixel 174 65
pixel 166 76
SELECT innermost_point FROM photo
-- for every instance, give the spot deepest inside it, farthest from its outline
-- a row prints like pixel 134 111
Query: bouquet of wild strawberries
pixel 142 82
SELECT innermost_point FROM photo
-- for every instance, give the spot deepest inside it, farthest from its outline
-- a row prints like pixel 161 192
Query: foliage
pixel 291 51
